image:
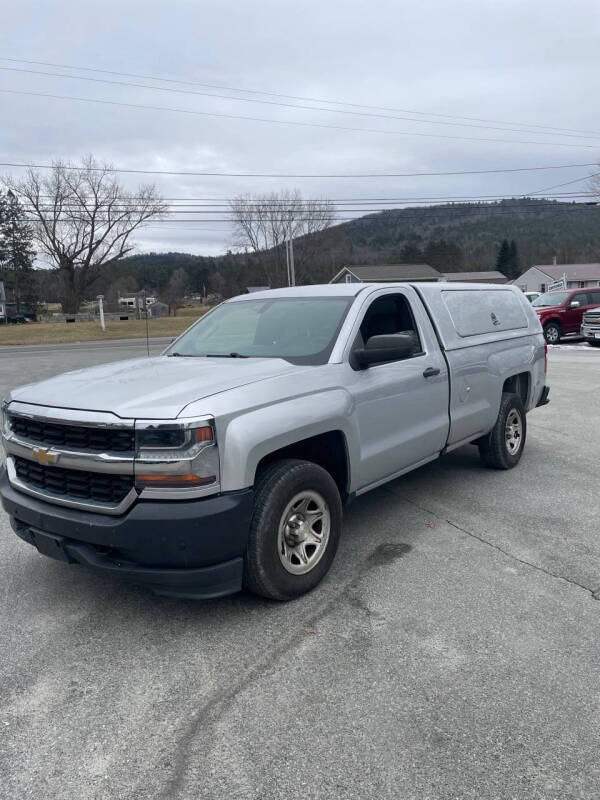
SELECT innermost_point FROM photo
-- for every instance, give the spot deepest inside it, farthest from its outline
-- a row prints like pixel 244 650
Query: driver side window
pixel 388 315
pixel 581 298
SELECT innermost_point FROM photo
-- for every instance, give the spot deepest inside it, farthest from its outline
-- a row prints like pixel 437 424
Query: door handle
pixel 430 372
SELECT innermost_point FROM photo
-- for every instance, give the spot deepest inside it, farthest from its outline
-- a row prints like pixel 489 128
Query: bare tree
pixel 83 220
pixel 176 290
pixel 262 223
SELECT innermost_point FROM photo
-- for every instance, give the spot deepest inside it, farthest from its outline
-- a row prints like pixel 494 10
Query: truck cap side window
pixel 479 311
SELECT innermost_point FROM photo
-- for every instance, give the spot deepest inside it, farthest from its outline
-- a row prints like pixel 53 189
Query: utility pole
pixel 287 261
pixel 292 271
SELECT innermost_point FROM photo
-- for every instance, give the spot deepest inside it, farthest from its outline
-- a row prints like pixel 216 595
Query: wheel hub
pixel 514 432
pixel 303 532
pixel 295 530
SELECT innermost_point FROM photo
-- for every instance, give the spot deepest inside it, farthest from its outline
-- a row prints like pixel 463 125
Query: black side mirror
pixel 388 347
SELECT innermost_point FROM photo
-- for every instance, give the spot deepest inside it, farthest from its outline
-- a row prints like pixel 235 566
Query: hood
pixel 155 388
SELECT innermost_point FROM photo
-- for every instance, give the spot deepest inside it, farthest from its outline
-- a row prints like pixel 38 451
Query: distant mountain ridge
pixel 542 229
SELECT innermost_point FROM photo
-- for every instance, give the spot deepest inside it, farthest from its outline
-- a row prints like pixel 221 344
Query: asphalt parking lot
pixel 452 652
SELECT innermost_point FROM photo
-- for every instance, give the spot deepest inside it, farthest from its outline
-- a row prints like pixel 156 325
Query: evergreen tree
pixel 503 260
pixel 513 260
pixel 17 254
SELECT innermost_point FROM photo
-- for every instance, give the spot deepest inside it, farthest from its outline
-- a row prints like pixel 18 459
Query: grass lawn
pixel 60 332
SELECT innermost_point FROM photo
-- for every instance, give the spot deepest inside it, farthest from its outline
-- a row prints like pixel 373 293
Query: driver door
pixel 573 316
pixel 401 406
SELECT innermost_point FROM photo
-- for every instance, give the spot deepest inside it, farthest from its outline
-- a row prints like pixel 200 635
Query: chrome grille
pixel 74 437
pixel 73 483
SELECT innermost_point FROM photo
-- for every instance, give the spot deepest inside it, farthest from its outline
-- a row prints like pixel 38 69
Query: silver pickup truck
pixel 225 462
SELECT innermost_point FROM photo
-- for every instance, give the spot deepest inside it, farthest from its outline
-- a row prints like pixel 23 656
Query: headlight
pixel 4 421
pixel 176 458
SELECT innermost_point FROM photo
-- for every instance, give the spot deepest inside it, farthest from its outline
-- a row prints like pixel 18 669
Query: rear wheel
pixel 503 447
pixel 295 529
pixel 552 332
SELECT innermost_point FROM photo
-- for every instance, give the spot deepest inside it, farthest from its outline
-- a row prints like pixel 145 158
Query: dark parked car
pixel 562 312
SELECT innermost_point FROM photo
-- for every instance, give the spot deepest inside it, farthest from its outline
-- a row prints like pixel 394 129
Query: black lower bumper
pixel 544 397
pixel 190 548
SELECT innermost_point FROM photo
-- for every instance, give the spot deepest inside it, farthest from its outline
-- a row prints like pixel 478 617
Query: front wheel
pixel 552 332
pixel 295 529
pixel 503 447
pixel 594 342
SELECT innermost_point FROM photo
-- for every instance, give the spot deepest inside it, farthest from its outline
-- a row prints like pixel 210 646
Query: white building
pixel 537 278
pixel 132 301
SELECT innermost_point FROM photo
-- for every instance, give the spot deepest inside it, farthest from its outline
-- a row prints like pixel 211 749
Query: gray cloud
pixel 495 60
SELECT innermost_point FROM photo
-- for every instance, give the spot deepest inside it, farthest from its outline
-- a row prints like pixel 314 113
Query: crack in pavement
pixel 205 718
pixel 595 593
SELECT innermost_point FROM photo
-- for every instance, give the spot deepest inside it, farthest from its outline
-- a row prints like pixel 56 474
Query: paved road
pixel 454 651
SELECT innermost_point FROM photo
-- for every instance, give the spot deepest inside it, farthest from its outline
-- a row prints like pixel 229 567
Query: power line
pixel 447 213
pixel 302 175
pixel 257 213
pixel 567 183
pixel 293 97
pixel 290 105
pixel 176 202
pixel 293 123
pixel 332 204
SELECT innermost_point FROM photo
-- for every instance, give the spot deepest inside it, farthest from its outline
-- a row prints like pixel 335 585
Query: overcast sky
pixel 523 62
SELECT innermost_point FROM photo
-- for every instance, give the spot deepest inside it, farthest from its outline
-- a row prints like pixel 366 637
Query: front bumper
pixel 590 331
pixel 185 548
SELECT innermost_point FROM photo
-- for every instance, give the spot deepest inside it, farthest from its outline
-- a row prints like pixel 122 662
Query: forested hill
pixel 541 229
pixel 449 237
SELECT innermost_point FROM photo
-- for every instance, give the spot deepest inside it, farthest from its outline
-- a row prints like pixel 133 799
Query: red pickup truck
pixel 561 312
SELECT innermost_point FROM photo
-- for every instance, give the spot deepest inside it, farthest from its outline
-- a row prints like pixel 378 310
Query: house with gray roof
pixel 492 276
pixel 386 273
pixel 537 277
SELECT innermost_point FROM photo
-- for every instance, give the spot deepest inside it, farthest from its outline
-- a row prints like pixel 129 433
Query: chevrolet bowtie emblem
pixel 44 456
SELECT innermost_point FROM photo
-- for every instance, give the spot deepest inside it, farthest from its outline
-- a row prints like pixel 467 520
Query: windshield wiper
pixel 180 355
pixel 225 355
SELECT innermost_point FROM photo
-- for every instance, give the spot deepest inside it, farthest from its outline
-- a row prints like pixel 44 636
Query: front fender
pixel 251 436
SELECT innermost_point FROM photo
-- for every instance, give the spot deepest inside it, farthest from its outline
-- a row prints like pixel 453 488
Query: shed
pixel 158 309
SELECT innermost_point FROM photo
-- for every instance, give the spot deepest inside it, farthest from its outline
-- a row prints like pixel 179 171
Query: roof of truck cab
pixel 353 289
pixel 318 290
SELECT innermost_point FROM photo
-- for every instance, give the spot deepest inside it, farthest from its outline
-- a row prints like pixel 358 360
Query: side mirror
pixel 388 347
pixel 574 304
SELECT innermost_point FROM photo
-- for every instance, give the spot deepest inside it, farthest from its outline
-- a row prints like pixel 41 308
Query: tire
pixel 552 332
pixel 594 343
pixel 497 450
pixel 295 492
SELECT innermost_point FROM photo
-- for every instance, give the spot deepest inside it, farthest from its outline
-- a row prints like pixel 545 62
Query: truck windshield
pixel 301 330
pixel 551 299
